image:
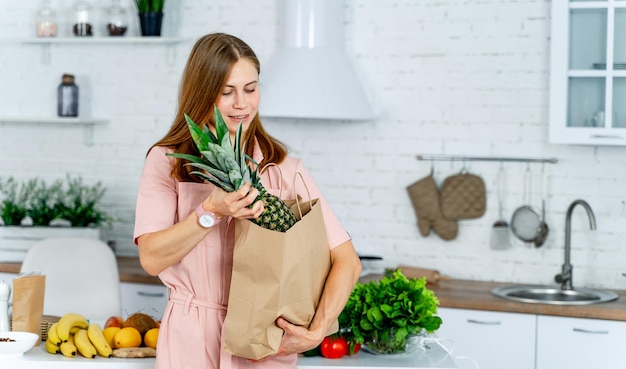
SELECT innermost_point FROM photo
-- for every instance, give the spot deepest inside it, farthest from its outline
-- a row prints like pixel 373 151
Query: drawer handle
pixel 589 331
pixel 150 294
pixel 617 137
pixel 474 321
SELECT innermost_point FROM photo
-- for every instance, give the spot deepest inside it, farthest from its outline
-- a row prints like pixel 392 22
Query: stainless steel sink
pixel 554 295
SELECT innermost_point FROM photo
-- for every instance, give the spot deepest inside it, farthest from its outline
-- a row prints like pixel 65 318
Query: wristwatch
pixel 206 219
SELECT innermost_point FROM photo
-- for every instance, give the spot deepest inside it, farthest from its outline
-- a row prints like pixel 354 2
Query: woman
pixel 194 260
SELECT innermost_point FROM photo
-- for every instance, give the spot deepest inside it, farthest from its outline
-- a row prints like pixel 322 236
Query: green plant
pixel 388 311
pixel 14 197
pixel 79 203
pixel 150 6
pixel 76 202
pixel 42 205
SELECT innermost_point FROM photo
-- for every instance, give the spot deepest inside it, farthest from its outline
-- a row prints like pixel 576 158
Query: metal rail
pixel 485 158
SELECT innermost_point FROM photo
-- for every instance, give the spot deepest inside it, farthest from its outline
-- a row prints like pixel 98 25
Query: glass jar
pixel 117 21
pixel 82 25
pixel 46 21
pixel 67 97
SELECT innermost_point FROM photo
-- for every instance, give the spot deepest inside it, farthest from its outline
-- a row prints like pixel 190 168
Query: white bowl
pixel 23 341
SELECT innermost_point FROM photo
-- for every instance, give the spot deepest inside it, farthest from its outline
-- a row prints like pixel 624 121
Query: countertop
pixel 129 268
pixel 435 357
pixel 462 294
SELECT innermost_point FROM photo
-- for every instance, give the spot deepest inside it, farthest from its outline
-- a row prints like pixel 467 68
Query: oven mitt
pixel 463 197
pixel 425 198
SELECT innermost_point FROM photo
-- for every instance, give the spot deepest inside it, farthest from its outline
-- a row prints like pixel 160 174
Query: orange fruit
pixel 127 337
pixel 109 335
pixel 151 337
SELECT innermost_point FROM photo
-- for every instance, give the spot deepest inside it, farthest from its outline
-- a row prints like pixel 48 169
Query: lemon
pixel 151 337
pixel 127 337
pixel 109 335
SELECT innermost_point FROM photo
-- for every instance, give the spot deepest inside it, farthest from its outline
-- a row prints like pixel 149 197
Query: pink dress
pixel 191 327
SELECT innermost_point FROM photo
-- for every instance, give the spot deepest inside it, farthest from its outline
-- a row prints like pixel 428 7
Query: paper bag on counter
pixel 28 299
pixel 275 275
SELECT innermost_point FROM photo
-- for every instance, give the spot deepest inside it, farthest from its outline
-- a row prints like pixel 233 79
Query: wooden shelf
pixel 87 123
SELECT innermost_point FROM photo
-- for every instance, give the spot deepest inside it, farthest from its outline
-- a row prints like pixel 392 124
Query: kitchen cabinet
pixel 146 298
pixel 588 72
pixel 494 340
pixel 577 343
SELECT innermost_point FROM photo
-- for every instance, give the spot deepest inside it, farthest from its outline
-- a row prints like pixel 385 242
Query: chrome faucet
pixel 565 277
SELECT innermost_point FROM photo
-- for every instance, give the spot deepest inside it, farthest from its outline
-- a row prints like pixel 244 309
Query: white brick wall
pixel 446 77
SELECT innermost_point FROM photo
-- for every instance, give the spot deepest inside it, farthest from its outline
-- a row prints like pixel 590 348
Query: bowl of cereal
pixel 16 343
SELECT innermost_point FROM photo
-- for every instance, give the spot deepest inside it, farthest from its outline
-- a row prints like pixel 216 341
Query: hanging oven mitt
pixel 463 197
pixel 425 198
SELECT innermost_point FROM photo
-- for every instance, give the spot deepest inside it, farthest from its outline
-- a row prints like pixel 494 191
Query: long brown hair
pixel 203 79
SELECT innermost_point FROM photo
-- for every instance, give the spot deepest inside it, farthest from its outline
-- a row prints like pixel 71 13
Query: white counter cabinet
pixel 146 298
pixel 576 343
pixel 495 340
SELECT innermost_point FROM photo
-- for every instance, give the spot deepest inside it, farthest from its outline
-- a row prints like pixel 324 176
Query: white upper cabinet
pixel 588 72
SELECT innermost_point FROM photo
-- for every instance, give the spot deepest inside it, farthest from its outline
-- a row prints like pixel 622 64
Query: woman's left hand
pixel 296 339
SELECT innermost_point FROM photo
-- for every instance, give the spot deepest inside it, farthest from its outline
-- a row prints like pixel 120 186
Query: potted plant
pixel 32 210
pixel 150 16
pixel 382 315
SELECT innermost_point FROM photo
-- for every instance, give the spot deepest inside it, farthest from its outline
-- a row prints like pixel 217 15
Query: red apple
pixel 114 321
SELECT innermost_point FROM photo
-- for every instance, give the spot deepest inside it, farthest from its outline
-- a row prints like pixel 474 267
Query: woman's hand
pixel 296 339
pixel 234 204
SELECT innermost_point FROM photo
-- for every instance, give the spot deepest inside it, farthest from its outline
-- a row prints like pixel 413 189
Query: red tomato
pixel 334 347
pixel 357 347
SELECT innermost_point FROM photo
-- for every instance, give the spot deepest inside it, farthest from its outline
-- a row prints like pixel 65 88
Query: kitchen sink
pixel 554 295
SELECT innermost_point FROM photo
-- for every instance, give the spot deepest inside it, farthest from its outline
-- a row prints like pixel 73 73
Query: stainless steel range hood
pixel 310 76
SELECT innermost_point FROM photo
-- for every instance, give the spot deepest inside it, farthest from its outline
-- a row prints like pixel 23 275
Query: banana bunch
pixel 73 334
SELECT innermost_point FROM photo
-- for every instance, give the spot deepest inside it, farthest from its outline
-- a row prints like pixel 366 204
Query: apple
pixel 114 321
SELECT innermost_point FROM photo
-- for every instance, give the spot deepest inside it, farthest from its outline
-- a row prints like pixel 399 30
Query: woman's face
pixel 239 101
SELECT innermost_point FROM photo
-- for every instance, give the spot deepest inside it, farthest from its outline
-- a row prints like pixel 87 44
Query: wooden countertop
pixel 129 268
pixel 477 295
pixel 462 294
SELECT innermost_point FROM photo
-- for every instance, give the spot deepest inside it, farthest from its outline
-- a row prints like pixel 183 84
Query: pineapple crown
pixel 224 165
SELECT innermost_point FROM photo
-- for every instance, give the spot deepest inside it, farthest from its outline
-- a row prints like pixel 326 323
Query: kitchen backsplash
pixel 444 77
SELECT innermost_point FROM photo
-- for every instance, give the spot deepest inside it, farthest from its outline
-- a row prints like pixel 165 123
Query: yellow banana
pixel 94 332
pixel 84 346
pixel 67 322
pixel 53 336
pixel 68 348
pixel 52 348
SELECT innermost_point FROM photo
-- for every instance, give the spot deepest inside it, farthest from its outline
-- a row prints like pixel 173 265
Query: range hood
pixel 310 76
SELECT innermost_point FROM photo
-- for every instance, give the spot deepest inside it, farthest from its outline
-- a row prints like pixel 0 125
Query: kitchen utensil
pixel 463 196
pixel 526 220
pixel 543 226
pixel 500 232
pixel 432 275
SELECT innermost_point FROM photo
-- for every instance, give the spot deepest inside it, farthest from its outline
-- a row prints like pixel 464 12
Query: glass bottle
pixel 46 21
pixel 67 97
pixel 117 22
pixel 82 19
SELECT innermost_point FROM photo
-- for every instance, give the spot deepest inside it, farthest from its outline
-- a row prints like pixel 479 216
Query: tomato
pixel 357 347
pixel 334 347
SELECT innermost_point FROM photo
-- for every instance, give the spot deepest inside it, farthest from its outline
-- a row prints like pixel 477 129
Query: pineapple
pixel 227 168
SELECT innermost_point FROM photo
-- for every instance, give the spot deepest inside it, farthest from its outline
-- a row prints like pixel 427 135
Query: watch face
pixel 206 221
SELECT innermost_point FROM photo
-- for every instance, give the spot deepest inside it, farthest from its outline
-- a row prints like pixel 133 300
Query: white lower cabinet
pixel 146 298
pixel 577 343
pixel 494 340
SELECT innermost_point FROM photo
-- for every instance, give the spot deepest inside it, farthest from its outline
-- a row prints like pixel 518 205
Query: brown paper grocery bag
pixel 28 299
pixel 275 275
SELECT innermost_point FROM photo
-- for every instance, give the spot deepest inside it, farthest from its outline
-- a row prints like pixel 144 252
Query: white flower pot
pixel 15 241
